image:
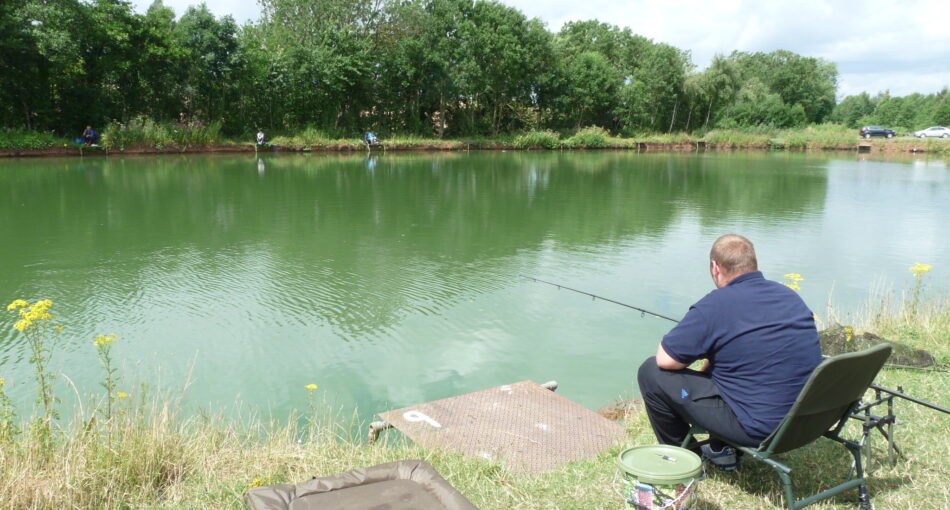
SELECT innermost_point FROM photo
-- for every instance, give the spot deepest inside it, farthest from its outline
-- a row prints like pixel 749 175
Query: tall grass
pixel 666 138
pixel 145 132
pixel 538 139
pixel 732 138
pixel 820 136
pixel 309 137
pixel 592 137
pixel 21 139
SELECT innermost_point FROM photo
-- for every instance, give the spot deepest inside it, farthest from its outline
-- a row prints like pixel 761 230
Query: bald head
pixel 734 255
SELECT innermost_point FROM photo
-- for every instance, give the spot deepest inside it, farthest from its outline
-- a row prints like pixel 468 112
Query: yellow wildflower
pixel 311 386
pixel 257 482
pixel 795 277
pixel 2 382
pixel 22 324
pixel 105 339
pixel 793 286
pixel 17 303
pixel 122 394
pixel 58 329
pixel 919 269
pixel 849 333
pixel 37 311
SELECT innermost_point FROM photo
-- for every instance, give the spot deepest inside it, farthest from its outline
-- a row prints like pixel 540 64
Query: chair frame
pixel 766 451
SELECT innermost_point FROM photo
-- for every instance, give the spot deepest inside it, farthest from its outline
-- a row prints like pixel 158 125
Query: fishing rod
pixel 595 296
pixel 899 392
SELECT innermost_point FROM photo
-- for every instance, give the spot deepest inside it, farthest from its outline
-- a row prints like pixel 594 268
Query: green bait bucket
pixel 658 477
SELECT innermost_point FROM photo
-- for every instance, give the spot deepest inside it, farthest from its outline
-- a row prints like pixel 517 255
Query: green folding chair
pixel 822 408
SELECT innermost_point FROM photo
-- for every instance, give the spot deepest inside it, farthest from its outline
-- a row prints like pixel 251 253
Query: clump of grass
pixel 8 418
pixel 670 138
pixel 913 317
pixel 21 139
pixel 819 136
pixel 309 137
pixel 592 137
pixel 404 141
pixel 145 132
pixel 538 139
pixel 732 138
pixel 196 134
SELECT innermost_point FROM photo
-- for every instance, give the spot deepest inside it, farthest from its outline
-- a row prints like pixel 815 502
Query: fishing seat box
pixel 402 485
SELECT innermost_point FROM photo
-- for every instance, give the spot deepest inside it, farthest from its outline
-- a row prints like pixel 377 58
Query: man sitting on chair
pixel 759 343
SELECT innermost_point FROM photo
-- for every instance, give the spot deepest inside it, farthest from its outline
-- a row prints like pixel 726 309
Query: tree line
pixel 427 67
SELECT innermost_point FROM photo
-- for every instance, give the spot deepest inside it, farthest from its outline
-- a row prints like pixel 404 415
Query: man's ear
pixel 715 271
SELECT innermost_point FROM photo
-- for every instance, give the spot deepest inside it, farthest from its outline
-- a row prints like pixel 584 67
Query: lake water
pixel 395 279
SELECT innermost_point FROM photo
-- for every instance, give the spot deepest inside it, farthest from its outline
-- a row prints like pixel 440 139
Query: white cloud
pixel 878 45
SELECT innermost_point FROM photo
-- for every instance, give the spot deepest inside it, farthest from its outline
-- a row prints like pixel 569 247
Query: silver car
pixel 936 131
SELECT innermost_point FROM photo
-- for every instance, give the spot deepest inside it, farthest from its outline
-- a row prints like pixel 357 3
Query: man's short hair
pixel 734 254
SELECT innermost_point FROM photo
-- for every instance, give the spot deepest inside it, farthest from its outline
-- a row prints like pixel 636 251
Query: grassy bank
pixel 141 452
pixel 146 136
pixel 19 140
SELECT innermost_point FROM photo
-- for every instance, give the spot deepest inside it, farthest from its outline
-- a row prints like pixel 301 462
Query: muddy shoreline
pixel 862 147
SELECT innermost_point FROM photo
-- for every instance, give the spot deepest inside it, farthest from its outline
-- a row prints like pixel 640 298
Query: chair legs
pixel 864 498
pixel 784 473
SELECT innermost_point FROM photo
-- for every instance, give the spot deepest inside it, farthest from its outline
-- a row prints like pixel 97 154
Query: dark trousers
pixel 676 399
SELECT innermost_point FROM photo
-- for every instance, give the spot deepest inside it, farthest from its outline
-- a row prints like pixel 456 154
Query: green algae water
pixel 394 279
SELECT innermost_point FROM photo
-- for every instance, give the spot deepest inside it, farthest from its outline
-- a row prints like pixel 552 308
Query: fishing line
pixel 596 297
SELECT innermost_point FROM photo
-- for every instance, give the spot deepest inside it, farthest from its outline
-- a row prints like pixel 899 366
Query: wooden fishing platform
pixel 524 426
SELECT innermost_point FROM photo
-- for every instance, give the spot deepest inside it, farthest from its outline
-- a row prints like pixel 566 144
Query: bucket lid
pixel 660 464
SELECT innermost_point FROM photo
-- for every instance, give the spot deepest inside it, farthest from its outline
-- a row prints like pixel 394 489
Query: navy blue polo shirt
pixel 761 340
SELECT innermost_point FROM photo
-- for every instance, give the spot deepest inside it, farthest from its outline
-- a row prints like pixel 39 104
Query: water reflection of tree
pixel 359 249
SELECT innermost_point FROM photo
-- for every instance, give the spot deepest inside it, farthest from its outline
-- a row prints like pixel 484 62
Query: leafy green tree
pixel 324 48
pixel 659 83
pixel 719 84
pixel 852 109
pixel 162 64
pixel 623 49
pixel 941 113
pixel 756 105
pixel 502 55
pixel 23 69
pixel 210 47
pixel 59 82
pixel 810 82
pixel 593 90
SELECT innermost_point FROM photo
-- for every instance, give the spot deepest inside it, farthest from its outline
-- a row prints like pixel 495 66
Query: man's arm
pixel 666 362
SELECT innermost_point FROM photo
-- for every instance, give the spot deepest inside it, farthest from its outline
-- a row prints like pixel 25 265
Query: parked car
pixel 936 131
pixel 869 131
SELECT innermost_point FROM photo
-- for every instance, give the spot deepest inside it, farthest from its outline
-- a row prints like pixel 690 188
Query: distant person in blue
pixel 89 136
pixel 370 138
pixel 759 343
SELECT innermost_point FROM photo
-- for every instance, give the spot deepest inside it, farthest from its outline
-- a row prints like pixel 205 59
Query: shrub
pixel 21 139
pixel 591 137
pixel 145 132
pixel 309 137
pixel 546 139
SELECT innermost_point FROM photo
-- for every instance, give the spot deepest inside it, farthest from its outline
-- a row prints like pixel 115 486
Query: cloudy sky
pixel 897 45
